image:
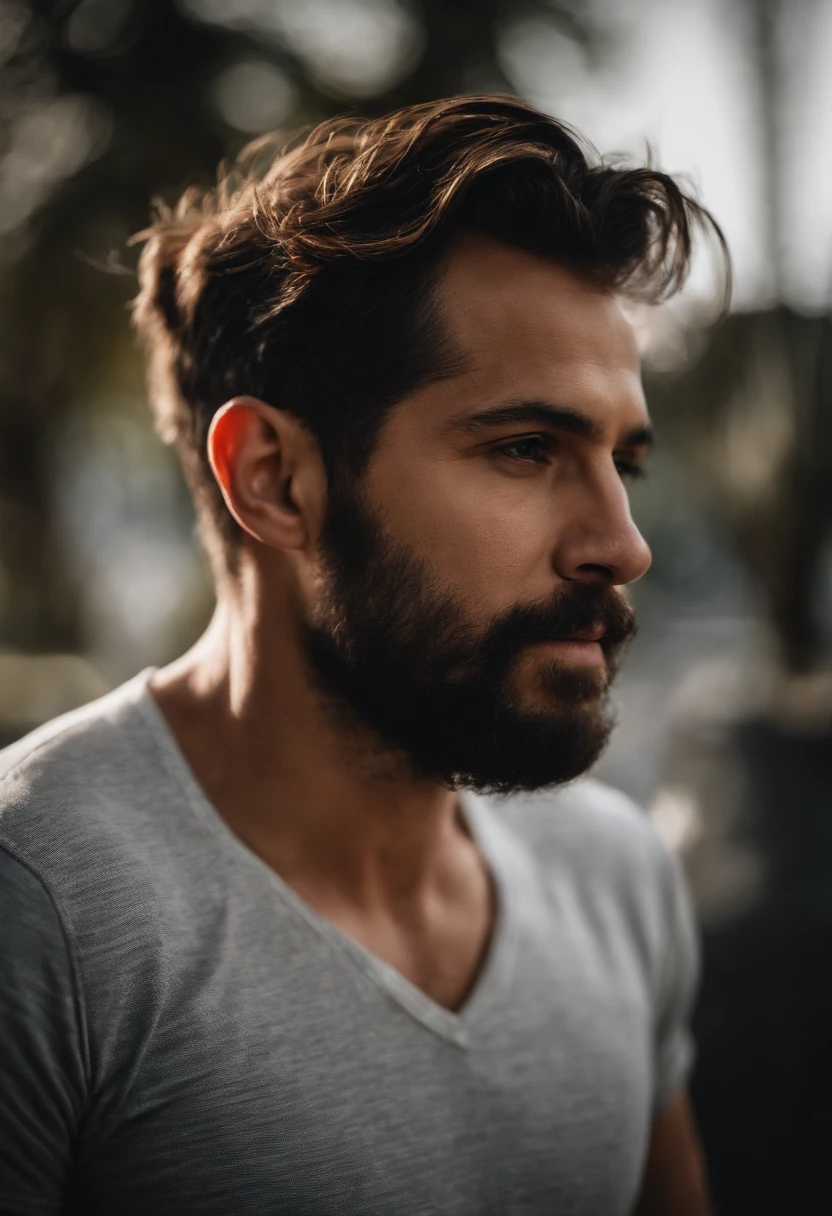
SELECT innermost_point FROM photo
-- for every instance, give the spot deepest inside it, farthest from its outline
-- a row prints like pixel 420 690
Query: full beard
pixel 398 663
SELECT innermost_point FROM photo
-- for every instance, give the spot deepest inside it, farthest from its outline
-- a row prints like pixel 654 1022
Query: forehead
pixel 527 328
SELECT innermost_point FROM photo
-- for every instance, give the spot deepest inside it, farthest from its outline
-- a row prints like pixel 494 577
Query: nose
pixel 598 540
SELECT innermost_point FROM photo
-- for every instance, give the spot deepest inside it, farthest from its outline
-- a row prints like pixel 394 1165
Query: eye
pixel 528 450
pixel 628 470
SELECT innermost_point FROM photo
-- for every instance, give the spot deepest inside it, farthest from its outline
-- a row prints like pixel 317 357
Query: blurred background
pixel 726 705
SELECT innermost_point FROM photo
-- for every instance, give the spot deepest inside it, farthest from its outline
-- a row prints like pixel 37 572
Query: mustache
pixel 576 608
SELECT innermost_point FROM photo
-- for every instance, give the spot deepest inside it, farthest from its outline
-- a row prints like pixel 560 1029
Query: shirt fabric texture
pixel 180 1033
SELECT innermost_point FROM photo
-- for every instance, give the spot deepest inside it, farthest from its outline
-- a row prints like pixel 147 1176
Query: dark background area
pixel 726 704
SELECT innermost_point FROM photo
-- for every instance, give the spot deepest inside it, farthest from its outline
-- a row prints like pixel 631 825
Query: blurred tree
pixel 752 419
pixel 753 415
pixel 104 103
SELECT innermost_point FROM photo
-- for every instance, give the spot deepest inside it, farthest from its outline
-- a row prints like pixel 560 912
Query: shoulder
pixel 89 827
pixel 78 754
pixel 596 852
pixel 66 739
pixel 77 893
pixel 600 846
pixel 587 824
pixel 71 793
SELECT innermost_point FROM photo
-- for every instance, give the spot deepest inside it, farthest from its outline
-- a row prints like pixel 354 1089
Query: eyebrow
pixel 559 418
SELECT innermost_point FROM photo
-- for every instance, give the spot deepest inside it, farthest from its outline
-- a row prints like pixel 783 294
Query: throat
pixel 436 936
pixel 439 949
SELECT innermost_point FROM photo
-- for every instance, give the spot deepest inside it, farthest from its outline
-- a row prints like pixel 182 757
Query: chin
pixel 565 755
pixel 563 688
pixel 533 745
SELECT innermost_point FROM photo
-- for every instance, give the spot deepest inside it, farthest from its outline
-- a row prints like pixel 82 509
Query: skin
pixel 674 1178
pixel 502 514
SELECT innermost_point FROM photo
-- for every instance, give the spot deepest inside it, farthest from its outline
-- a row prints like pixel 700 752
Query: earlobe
pixel 254 456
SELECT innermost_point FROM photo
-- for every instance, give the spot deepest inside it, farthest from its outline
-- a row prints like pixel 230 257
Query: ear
pixel 270 471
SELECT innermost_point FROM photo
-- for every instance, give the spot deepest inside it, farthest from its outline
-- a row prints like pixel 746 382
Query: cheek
pixel 488 535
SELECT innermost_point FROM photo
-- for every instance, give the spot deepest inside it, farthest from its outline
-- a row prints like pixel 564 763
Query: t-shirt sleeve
pixel 678 981
pixel 42 1074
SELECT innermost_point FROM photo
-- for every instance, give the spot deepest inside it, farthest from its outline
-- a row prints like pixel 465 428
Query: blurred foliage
pixel 753 417
pixel 105 103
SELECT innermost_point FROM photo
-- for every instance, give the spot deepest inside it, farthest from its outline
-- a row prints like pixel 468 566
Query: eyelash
pixel 626 468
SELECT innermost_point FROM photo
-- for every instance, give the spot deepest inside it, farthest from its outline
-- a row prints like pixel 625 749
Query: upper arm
pixel 677 979
pixel 674 1182
pixel 42 1072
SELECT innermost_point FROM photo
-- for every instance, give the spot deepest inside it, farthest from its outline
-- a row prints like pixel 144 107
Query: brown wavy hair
pixel 307 278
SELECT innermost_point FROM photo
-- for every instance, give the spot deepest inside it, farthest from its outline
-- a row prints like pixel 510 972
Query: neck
pixel 318 805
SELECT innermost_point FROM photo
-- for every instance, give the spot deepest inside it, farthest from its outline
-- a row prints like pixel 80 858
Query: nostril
pixel 597 573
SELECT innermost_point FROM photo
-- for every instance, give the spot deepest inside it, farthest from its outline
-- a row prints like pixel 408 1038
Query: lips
pixel 595 634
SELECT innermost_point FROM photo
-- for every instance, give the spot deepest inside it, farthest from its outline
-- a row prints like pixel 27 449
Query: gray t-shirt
pixel 180 1033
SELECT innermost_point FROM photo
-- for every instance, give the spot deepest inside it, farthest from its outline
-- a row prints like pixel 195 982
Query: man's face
pixel 468 613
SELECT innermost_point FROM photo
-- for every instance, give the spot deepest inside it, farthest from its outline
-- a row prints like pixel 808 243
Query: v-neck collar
pixel 456 1026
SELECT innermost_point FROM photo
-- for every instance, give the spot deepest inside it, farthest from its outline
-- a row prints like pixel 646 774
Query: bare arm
pixel 674 1182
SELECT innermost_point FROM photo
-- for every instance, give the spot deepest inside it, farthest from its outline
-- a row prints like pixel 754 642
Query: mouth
pixel 581 649
pixel 596 634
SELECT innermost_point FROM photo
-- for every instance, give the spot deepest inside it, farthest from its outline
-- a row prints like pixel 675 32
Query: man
pixel 301 923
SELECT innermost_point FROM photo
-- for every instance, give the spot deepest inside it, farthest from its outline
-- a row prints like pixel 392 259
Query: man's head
pixel 435 406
